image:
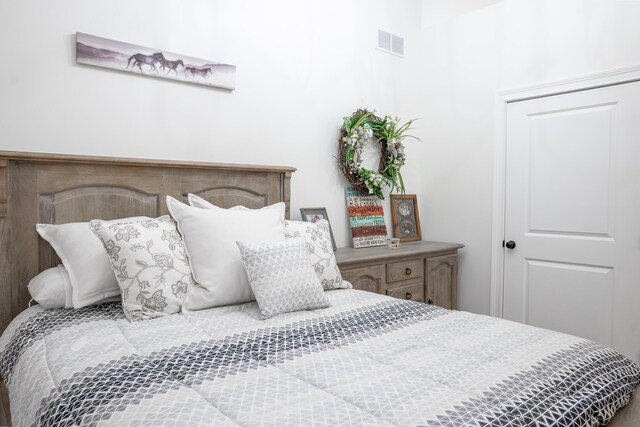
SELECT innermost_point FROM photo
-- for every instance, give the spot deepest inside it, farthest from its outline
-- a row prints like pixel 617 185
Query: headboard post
pixel 3 188
pixel 286 193
pixel 56 188
pixel 5 243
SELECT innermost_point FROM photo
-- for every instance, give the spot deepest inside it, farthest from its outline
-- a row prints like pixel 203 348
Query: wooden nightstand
pixel 419 271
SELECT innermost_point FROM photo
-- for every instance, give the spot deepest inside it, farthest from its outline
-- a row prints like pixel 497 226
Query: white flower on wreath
pixel 374 180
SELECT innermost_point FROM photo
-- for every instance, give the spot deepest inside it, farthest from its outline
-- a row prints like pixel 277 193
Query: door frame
pixel 502 99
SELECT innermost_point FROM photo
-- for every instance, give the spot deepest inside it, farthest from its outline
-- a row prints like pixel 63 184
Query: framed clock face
pixel 405 208
pixel 405 218
pixel 407 228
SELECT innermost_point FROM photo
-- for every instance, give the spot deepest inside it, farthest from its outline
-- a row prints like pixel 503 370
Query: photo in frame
pixel 316 214
pixel 405 217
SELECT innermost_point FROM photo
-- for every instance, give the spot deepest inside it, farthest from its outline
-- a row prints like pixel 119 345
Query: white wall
pixel 471 57
pixel 302 66
pixel 435 12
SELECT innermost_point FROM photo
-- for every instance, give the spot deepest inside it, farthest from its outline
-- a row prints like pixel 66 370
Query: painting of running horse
pixel 116 55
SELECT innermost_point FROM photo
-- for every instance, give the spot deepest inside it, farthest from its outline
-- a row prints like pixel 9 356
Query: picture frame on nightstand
pixel 316 214
pixel 405 217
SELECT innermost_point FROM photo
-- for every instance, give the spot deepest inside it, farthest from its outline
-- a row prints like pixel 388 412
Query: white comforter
pixel 366 360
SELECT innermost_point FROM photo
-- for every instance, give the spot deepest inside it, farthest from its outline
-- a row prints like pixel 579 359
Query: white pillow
pixel 281 277
pixel 210 237
pixel 84 258
pixel 52 288
pixel 317 237
pixel 199 202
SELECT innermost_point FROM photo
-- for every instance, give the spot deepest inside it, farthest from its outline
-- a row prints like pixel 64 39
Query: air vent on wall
pixel 390 43
pixel 397 45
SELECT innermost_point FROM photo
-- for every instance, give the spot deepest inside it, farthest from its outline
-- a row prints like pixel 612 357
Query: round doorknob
pixel 510 244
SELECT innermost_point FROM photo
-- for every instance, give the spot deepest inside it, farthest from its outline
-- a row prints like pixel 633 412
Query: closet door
pixel 572 224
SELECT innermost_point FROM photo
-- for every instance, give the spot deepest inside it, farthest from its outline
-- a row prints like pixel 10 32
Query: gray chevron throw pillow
pixel 281 277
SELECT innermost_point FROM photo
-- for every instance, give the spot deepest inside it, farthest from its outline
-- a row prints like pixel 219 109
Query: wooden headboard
pixel 55 189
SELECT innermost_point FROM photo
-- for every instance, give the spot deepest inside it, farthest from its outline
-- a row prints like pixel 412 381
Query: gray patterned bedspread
pixel 367 360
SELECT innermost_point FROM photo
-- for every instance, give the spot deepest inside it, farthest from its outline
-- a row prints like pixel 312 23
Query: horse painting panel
pixel 116 55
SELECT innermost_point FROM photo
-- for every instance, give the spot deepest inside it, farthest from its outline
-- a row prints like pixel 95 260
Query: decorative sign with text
pixel 366 218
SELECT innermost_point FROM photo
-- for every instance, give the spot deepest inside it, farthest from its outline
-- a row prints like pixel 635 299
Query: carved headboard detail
pixel 228 195
pixel 53 188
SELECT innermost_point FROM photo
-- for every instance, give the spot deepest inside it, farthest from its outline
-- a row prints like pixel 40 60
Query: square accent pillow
pixel 92 280
pixel 281 277
pixel 318 242
pixel 210 237
pixel 150 263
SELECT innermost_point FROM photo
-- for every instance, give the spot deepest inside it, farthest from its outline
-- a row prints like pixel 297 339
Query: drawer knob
pixel 429 301
pixel 408 295
pixel 408 271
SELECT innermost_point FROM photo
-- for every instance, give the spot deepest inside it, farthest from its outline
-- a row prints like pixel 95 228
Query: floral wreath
pixel 361 127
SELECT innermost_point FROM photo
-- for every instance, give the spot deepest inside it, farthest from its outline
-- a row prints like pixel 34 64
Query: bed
pixel 365 360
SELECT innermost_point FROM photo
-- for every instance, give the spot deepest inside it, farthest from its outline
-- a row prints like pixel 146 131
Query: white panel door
pixel 573 213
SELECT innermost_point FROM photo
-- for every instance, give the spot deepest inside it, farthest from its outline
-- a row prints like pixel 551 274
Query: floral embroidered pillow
pixel 150 264
pixel 318 242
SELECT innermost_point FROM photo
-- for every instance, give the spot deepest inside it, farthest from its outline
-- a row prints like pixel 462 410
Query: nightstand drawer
pixel 413 291
pixel 405 270
pixel 366 279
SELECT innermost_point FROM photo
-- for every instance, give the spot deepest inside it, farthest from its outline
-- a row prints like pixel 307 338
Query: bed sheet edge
pixel 628 415
pixel 5 412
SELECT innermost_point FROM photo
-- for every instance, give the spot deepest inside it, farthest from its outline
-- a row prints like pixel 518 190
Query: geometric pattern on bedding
pixel 367 360
pixel 566 389
pixel 526 399
pixel 48 321
pixel 129 380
